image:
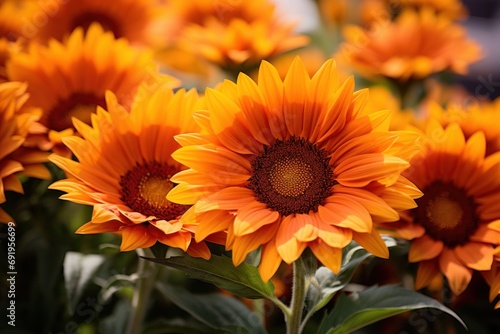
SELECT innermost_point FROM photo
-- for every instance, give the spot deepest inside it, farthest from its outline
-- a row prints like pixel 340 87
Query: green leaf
pixel 243 281
pixel 325 283
pixel 373 304
pixel 219 312
pixel 78 270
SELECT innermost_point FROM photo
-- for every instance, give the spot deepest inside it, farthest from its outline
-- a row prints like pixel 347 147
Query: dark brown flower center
pixel 144 189
pixel 84 20
pixel 447 213
pixel 292 176
pixel 77 105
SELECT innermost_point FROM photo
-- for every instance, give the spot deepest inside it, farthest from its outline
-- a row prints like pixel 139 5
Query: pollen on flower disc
pixel 77 105
pixel 85 19
pixel 292 176
pixel 447 213
pixel 144 189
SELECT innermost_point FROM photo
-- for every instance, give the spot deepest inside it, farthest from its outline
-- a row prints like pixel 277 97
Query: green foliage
pixel 360 309
pixel 243 280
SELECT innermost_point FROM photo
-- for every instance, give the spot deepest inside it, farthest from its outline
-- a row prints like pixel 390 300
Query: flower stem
pixel 293 321
pixel 146 272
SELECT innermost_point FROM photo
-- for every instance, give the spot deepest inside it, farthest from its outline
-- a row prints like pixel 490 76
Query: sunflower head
pixel 132 20
pixel 472 118
pixel 454 229
pixel 234 34
pixel 16 159
pixel 69 79
pixel 124 169
pixel 385 52
pixel 294 163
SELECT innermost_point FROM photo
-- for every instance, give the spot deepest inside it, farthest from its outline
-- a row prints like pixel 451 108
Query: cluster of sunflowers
pixel 209 128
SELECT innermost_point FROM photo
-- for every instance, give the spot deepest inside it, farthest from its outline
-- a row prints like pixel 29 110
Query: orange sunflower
pixel 70 79
pixel 11 32
pixel 124 168
pixel 455 228
pixel 453 9
pixel 472 118
pixel 134 20
pixel 385 51
pixel 15 159
pixel 294 163
pixel 233 34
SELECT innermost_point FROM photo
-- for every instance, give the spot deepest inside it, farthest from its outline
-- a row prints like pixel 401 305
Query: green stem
pixel 146 276
pixel 293 321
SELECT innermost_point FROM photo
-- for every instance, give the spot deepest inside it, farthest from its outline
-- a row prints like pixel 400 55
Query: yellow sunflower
pixel 472 118
pixel 385 51
pixel 134 20
pixel 15 159
pixel 455 227
pixel 234 34
pixel 70 79
pixel 124 168
pixel 294 163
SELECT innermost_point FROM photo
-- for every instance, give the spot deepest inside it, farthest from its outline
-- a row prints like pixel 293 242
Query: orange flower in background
pixel 456 225
pixel 15 159
pixel 124 168
pixel 453 9
pixel 12 33
pixel 385 50
pixel 70 79
pixel 134 20
pixel 233 34
pixel 472 118
pixel 294 163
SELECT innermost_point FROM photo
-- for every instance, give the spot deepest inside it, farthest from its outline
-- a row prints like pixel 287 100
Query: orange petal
pixel 253 216
pixel 331 257
pixel 457 274
pixel 424 248
pixel 372 242
pixel 362 169
pixel 427 271
pixel 270 260
pixel 91 228
pixel 199 250
pixel 288 246
pixel 376 206
pixel 181 239
pixel 250 242
pixel 345 212
pixel 212 222
pixel 475 255
pixel 231 198
pixel 136 236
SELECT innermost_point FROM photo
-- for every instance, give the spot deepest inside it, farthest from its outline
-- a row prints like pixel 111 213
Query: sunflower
pixel 294 163
pixel 70 79
pixel 385 51
pixel 15 159
pixel 455 227
pixel 12 32
pixel 472 118
pixel 134 20
pixel 234 34
pixel 453 9
pixel 124 168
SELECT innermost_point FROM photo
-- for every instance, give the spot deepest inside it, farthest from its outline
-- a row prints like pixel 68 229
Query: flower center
pixel 292 176
pixel 447 213
pixel 78 105
pixel 144 189
pixel 84 20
